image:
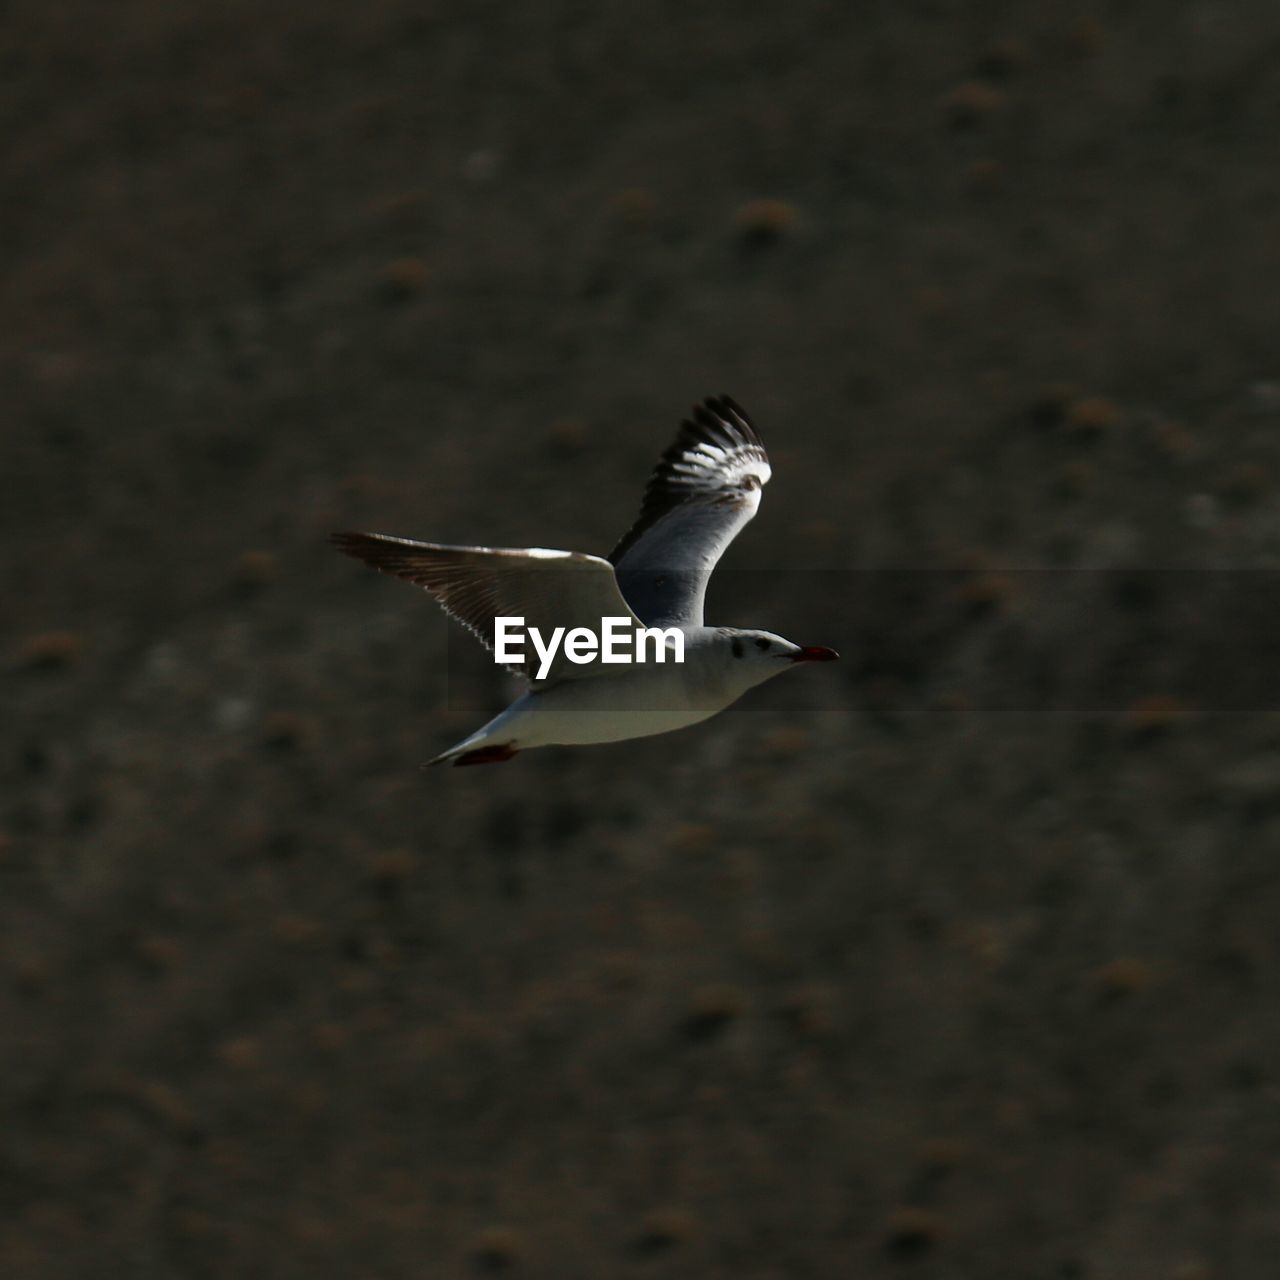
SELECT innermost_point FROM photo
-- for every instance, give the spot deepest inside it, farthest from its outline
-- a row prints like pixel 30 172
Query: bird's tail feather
pixel 477 749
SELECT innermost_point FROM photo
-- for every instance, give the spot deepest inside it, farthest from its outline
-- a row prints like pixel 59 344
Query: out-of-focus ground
pixel 956 960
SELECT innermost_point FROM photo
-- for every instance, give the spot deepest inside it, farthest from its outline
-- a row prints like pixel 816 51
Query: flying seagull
pixel 705 488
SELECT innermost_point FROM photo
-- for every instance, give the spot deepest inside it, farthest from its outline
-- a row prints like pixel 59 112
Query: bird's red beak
pixel 815 653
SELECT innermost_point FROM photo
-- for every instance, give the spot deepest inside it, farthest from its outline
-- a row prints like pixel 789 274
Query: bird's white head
pixel 757 656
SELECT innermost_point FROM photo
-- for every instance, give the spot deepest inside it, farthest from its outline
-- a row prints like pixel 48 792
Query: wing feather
pixel 475 585
pixel 705 488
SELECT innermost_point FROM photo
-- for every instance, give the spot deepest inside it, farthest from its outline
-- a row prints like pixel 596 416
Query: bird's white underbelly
pixel 578 712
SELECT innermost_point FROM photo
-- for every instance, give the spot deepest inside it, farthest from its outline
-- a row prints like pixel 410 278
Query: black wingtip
pixel 352 544
pixel 377 550
pixel 720 415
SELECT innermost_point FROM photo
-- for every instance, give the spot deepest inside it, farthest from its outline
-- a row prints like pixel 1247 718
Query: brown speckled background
pixel 958 960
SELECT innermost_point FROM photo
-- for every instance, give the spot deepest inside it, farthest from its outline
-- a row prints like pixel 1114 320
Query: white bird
pixel 705 488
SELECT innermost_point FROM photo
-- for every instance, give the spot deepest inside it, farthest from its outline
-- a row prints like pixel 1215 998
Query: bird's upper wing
pixel 705 487
pixel 475 585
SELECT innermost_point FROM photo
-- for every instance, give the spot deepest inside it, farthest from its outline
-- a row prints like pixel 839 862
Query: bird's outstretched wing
pixel 705 487
pixel 475 585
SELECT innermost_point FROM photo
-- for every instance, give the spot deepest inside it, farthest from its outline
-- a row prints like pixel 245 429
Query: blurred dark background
pixel 956 960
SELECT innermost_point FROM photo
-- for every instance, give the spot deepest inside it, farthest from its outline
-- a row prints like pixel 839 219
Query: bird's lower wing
pixel 477 585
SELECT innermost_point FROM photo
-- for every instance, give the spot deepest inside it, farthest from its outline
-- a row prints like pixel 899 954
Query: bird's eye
pixel 736 646
pixel 762 644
